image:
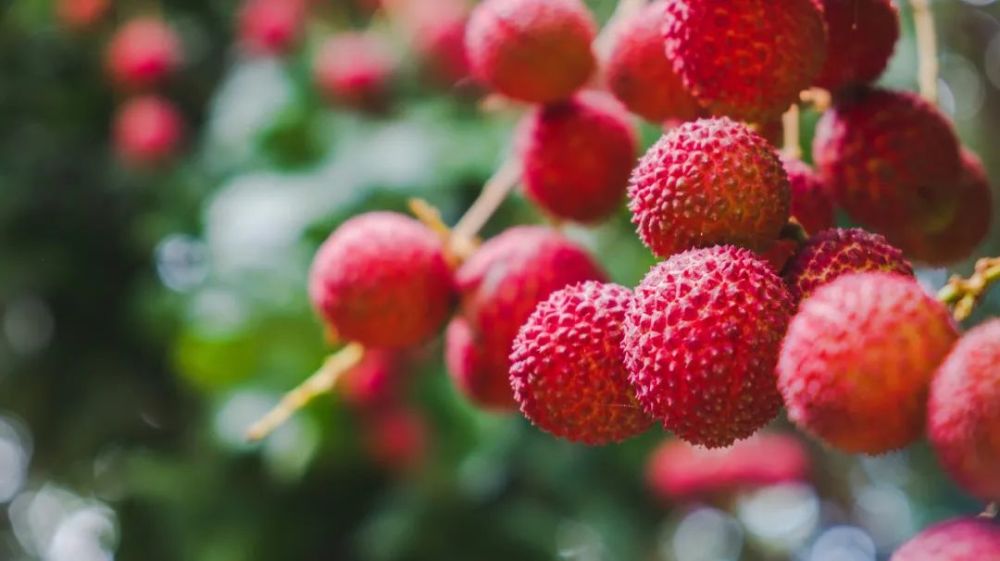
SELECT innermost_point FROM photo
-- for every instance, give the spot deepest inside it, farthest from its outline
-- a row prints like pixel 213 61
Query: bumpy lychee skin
pixel 148 131
pixel 701 341
pixel 890 158
pixel 381 279
pixel 271 26
pixel 837 252
pixel 961 539
pixel 640 75
pixel 812 204
pixel 861 37
pixel 567 368
pixel 354 69
pixel 710 181
pixel 857 362
pixel 500 286
pixel 143 53
pixel 954 231
pixel 480 375
pixel 576 156
pixel 963 420
pixel 531 50
pixel 747 59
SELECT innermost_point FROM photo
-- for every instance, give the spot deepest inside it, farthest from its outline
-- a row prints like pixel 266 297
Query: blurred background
pixel 152 305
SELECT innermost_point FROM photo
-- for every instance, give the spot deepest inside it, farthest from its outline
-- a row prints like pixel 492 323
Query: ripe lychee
pixel 142 53
pixel 436 31
pixel 701 341
pixel 960 539
pixel 479 374
pixel 500 286
pixel 567 368
pixel 857 362
pixel 271 26
pixel 381 279
pixel 749 59
pixel 640 75
pixel 677 470
pixel 710 181
pixel 354 69
pixel 890 158
pixel 576 156
pixel 397 439
pixel 963 420
pixel 531 50
pixel 812 204
pixel 836 252
pixel 375 383
pixel 81 14
pixel 861 37
pixel 148 130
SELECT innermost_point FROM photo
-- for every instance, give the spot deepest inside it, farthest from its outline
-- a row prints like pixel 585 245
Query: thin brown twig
pixel 819 98
pixel 964 293
pixel 791 145
pixel 927 61
pixel 495 190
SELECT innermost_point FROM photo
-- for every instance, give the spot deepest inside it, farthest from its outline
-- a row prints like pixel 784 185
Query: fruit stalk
pixel 991 511
pixel 923 22
pixel 790 130
pixel 319 383
pixel 493 194
pixel 963 294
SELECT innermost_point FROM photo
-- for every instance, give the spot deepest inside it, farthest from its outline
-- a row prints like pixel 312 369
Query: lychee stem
pixel 991 511
pixel 927 62
pixel 493 194
pixel 456 250
pixel 963 294
pixel 319 383
pixel 790 128
pixel 819 98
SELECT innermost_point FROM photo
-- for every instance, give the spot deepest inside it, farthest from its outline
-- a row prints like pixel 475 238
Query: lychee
pixel 81 14
pixel 963 420
pixel 857 362
pixel 479 374
pixel 576 156
pixel 812 204
pixel 436 30
pixel 397 439
pixel 148 130
pixel 271 26
pixel 567 368
pixel 861 36
pixel 381 279
pixel 836 252
pixel 960 539
pixel 376 382
pixel 640 75
pixel 710 181
pixel 500 285
pixel 142 53
pixel 354 69
pixel 537 51
pixel 748 59
pixel 701 342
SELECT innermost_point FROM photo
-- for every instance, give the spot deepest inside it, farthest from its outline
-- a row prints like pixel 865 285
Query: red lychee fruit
pixel 836 252
pixel 536 51
pixel 955 231
pixel 381 279
pixel 397 439
pixel 857 362
pixel 567 368
pixel 480 375
pixel 148 130
pixel 701 341
pixel 354 69
pixel 710 181
pixel 677 470
pixel 963 420
pixel 576 156
pixel 81 14
pixel 143 53
pixel 500 286
pixel 861 37
pixel 812 204
pixel 436 30
pixel 748 59
pixel 890 158
pixel 375 382
pixel 960 539
pixel 640 75
pixel 271 26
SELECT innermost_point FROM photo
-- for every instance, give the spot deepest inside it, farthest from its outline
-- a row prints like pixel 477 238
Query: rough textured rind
pixel 148 131
pixel 500 286
pixel 711 181
pixel 861 37
pixel 961 539
pixel 567 368
pixel 381 280
pixel 963 420
pixel 890 158
pixel 747 59
pixel 701 342
pixel 354 69
pixel 142 53
pixel 271 26
pixel 857 362
pixel 838 251
pixel 576 156
pixel 812 204
pixel 640 75
pixel 531 50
